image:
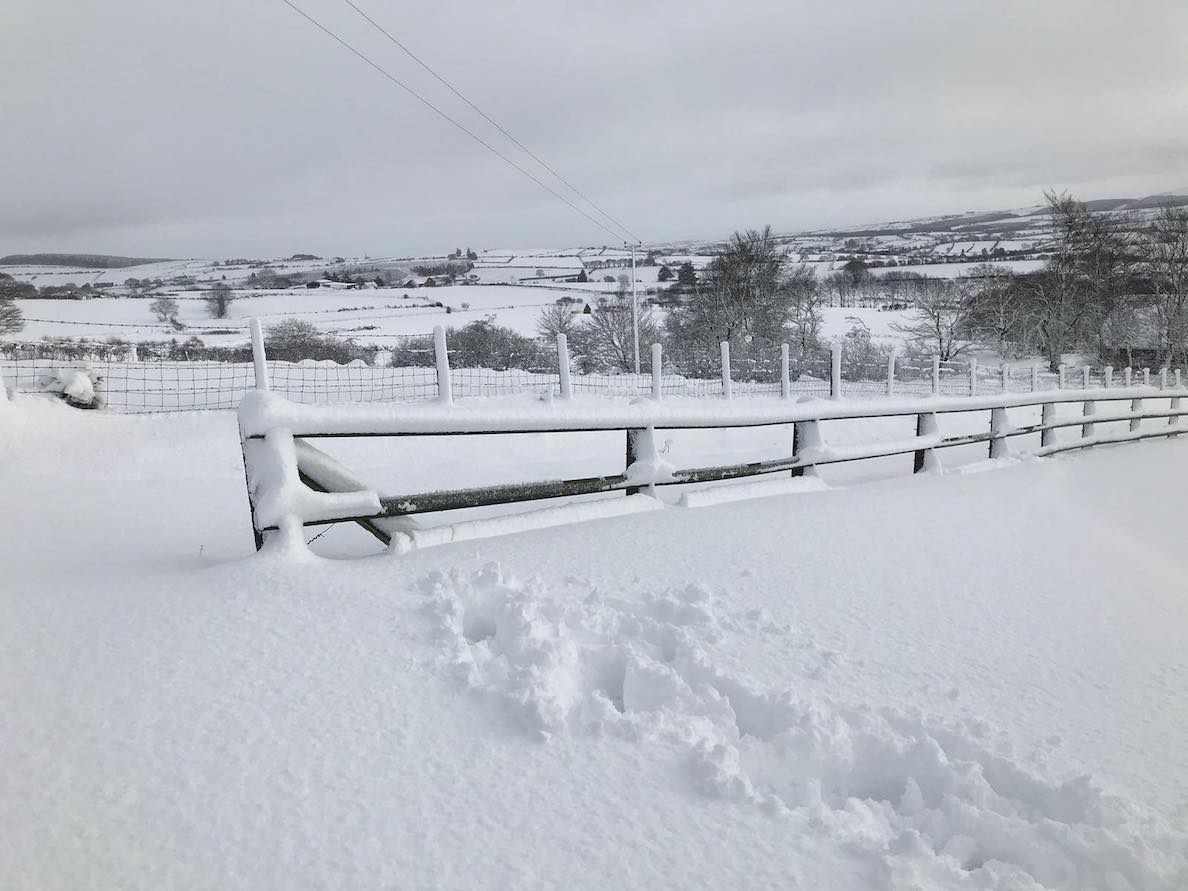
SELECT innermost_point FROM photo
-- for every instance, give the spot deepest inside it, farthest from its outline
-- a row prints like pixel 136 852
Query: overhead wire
pixel 445 116
pixel 449 86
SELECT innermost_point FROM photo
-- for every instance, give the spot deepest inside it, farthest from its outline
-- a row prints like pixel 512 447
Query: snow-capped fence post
pixel 1173 406
pixel 1146 377
pixel 1127 376
pixel 1136 406
pixel 445 390
pixel 1163 378
pixel 1089 410
pixel 1107 376
pixel 726 390
pixel 1047 419
pixel 259 360
pixel 926 459
pixel 835 357
pixel 657 371
pixel 936 375
pixel 634 441
pixel 785 373
pixel 1005 372
pixel 1061 377
pixel 1085 377
pixel 891 374
pixel 973 377
pixel 999 428
pixel 1034 378
pixel 806 444
pixel 563 366
pixel 1177 378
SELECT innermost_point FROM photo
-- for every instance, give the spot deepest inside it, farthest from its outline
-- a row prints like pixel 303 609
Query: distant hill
pixel 87 261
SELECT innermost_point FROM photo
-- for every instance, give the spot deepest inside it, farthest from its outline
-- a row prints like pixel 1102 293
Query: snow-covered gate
pixel 291 483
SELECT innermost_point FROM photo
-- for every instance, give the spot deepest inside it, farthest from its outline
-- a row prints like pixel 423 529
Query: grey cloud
pixel 175 128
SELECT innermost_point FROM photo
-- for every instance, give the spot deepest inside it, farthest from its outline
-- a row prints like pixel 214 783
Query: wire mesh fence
pixel 139 386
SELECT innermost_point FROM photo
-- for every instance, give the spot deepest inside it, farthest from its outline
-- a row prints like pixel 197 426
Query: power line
pixel 446 117
pixel 449 86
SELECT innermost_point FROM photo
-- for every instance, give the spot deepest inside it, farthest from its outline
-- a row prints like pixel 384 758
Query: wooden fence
pixel 292 484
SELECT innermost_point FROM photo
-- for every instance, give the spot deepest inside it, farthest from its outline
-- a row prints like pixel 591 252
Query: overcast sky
pixel 234 128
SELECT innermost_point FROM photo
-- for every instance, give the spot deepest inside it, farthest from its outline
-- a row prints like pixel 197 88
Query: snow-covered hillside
pixel 966 681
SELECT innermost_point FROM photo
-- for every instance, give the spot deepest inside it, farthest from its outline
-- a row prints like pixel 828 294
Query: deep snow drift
pixel 967 681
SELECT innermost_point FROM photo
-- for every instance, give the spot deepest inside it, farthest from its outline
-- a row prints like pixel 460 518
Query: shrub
pixel 218 300
pixel 293 340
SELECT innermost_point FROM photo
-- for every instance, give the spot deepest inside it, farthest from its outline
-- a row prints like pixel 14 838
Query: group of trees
pixel 1111 287
pixel 11 318
pixel 750 295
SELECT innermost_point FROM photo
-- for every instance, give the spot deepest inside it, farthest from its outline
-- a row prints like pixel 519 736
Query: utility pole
pixel 634 309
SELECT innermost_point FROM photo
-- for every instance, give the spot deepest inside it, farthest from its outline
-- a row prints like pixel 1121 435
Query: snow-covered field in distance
pixel 370 315
pixel 965 681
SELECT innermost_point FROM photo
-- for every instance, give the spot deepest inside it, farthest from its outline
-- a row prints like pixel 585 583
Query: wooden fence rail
pixel 292 484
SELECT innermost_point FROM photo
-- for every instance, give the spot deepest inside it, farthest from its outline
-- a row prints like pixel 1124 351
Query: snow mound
pixel 75 385
pixel 929 804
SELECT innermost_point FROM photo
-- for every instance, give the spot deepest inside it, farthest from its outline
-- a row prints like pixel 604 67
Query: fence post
pixel 785 373
pixel 1146 377
pixel 926 459
pixel 259 360
pixel 1047 416
pixel 835 357
pixel 936 375
pixel 1108 376
pixel 806 436
pixel 973 377
pixel 657 371
pixel 1006 377
pixel 1127 376
pixel 1089 410
pixel 1061 377
pixel 891 374
pixel 1085 377
pixel 445 390
pixel 726 389
pixel 563 365
pixel 1177 378
pixel 999 425
pixel 1174 420
pixel 1163 378
pixel 632 455
pixel 1034 378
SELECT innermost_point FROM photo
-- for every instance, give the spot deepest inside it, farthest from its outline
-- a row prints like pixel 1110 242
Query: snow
pixel 966 681
pixel 260 411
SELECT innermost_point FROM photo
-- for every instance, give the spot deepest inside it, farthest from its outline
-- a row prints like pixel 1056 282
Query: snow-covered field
pixel 374 315
pixel 966 681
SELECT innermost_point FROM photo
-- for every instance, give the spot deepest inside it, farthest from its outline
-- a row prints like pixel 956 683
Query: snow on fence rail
pixel 292 484
pixel 136 386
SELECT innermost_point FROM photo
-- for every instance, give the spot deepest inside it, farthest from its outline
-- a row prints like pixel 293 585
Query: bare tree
pixel 749 296
pixel 611 341
pixel 218 300
pixel 11 319
pixel 166 309
pixel 995 312
pixel 1086 281
pixel 940 326
pixel 558 318
pixel 1165 268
